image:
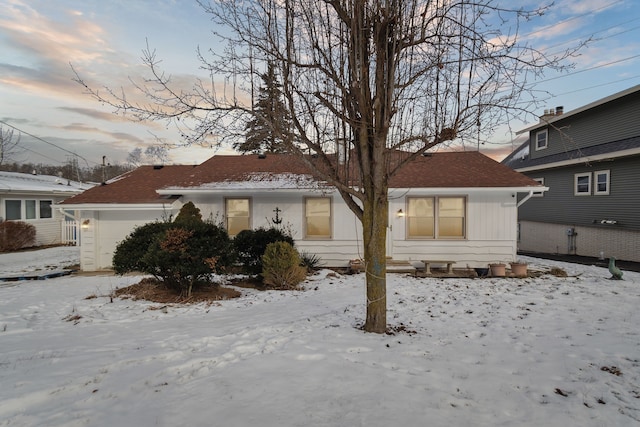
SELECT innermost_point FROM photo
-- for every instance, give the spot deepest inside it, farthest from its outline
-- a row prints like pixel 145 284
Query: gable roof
pixel 149 184
pixel 16 182
pixel 545 121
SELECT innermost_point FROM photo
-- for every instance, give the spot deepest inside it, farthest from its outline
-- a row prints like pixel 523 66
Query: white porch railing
pixel 70 233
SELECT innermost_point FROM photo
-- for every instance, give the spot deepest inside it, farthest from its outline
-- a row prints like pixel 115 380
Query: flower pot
pixel 497 270
pixel 519 269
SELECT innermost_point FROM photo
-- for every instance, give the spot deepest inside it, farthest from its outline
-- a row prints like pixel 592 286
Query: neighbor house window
pixel 538 193
pixel 30 209
pixel 436 217
pixel 582 183
pixel 238 215
pixel 45 209
pixel 541 139
pixel 317 211
pixel 601 182
pixel 13 209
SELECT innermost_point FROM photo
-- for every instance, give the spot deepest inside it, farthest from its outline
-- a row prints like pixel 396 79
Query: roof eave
pixel 580 160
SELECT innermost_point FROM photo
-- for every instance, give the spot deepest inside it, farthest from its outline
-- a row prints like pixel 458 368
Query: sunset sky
pixel 103 39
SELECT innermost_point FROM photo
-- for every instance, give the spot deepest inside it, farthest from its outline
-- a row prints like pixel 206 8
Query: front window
pixel 601 183
pixel 238 215
pixel 451 215
pixel 318 217
pixel 45 209
pixel 541 139
pixel 582 182
pixel 30 209
pixel 13 209
pixel 420 217
pixel 436 217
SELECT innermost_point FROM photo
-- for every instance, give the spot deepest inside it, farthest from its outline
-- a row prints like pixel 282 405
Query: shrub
pixel 189 214
pixel 250 245
pixel 182 254
pixel 281 267
pixel 129 253
pixel 185 257
pixel 310 261
pixel 16 235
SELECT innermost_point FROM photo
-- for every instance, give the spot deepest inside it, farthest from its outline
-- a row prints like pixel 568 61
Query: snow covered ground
pixel 484 352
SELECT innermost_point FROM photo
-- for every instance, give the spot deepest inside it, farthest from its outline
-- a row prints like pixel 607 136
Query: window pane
pixel 318 217
pixel 420 227
pixel 582 184
pixel 237 216
pixel 451 217
pixel 602 182
pixel 45 209
pixel 236 225
pixel 420 217
pixel 30 209
pixel 13 209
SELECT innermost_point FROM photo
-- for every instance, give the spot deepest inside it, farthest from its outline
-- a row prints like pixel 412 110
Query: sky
pixel 103 40
pixel 539 351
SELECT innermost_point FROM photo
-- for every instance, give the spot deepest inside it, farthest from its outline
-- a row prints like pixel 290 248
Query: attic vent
pixel 158 166
pixel 425 154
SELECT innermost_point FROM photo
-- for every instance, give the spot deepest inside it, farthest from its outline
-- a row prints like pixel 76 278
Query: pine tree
pixel 267 130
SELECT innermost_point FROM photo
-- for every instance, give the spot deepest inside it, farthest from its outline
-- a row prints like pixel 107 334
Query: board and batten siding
pixel 610 122
pixel 491 234
pixel 105 230
pixel 559 205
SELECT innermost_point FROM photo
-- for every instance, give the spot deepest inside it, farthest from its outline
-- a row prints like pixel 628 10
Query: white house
pixel 459 206
pixel 31 198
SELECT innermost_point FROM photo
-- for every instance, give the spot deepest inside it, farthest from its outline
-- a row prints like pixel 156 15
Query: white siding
pixel 490 234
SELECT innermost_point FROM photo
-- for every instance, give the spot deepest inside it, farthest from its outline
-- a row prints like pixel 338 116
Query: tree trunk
pixel 374 229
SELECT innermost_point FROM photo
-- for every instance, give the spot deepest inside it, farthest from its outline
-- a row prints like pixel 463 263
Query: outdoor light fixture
pixel 400 213
pixel 85 224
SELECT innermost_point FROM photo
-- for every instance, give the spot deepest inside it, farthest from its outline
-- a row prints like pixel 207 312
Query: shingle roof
pixel 137 186
pixel 438 170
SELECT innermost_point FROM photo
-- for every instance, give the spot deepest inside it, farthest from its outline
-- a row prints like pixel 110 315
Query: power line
pixel 46 142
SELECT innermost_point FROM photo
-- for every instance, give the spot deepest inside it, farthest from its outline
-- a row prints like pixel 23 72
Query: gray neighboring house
pixel 32 198
pixel 589 158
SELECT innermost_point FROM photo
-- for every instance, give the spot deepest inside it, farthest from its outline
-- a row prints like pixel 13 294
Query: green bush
pixel 129 253
pixel 182 254
pixel 250 245
pixel 189 214
pixel 310 261
pixel 15 235
pixel 281 267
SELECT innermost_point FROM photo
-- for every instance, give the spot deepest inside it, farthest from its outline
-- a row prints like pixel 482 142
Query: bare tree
pixel 381 80
pixel 9 144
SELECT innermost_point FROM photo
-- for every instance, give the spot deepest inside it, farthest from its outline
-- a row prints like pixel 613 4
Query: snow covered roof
pixel 15 182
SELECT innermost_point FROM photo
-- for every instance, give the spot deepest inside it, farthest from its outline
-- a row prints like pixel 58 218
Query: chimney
pixel 548 114
pixel 559 110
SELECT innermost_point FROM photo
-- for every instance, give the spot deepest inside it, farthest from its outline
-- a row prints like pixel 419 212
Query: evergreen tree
pixel 269 129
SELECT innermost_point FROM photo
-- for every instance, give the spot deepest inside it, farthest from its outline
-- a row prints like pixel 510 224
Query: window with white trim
pixel 436 217
pixel 541 139
pixel 317 214
pixel 582 184
pixel 13 209
pixel 539 193
pixel 601 183
pixel 29 209
pixel 238 215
